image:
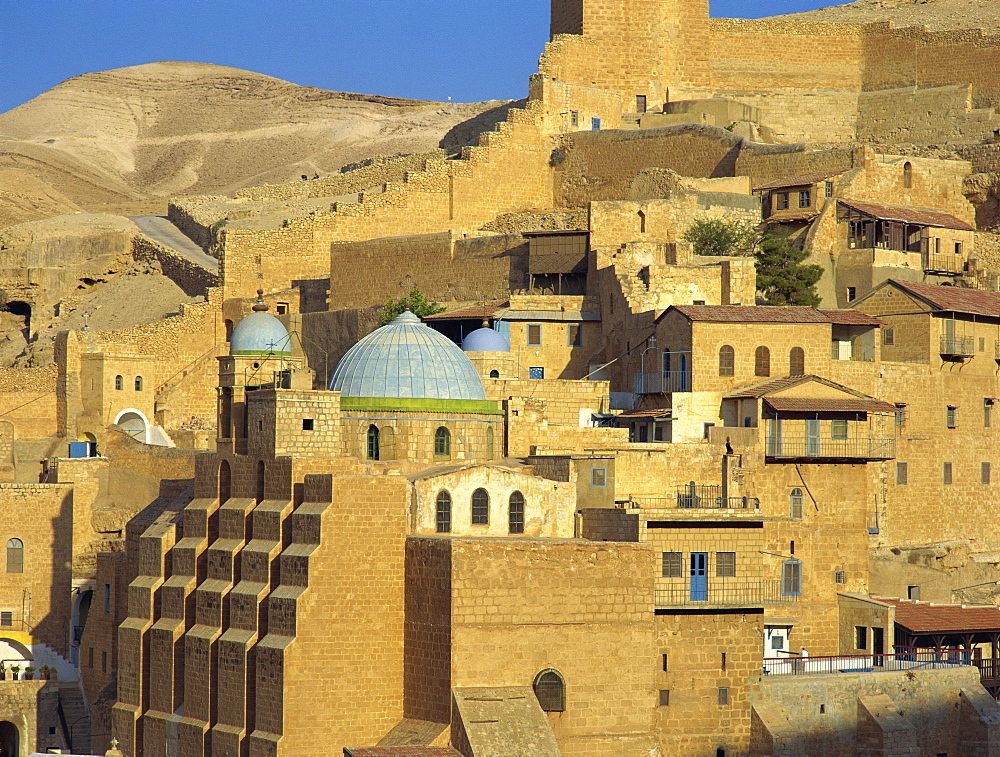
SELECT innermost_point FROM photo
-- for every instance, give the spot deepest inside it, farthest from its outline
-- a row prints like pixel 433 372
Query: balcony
pixel 948 264
pixel 868 663
pixel 722 593
pixel 662 382
pixel 705 498
pixel 958 346
pixel 865 448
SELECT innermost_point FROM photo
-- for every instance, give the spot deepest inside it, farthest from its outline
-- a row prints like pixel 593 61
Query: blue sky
pixel 468 50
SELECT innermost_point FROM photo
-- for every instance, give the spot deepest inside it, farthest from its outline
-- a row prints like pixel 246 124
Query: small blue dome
pixel 407 359
pixel 485 340
pixel 260 333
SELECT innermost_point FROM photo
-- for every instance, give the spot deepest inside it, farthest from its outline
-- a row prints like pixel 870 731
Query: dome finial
pixel 260 306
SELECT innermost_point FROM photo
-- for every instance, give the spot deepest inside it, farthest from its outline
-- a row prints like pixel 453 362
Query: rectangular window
pixel 307 424
pixel 889 337
pixel 104 661
pixel 723 696
pixel 664 697
pixel 281 308
pixel 829 189
pixel 913 592
pixel 672 565
pixel 985 473
pixel 838 429
pixel 805 198
pixel 901 474
pixel 987 413
pixel 982 344
pixel 852 293
pixel 937 246
pixel 536 372
pixel 575 335
pixel 783 201
pixel 900 415
pixel 951 418
pixel 6 618
pixel 839 577
pixel 791 578
pixel 598 476
pixel 860 637
pixel 725 564
pixel 946 473
pixel 595 124
pixel 107 597
pixel 534 334
pixel 958 248
pixel 574 118
pixel 90 657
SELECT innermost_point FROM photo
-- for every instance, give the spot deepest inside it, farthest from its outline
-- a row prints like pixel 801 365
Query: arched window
pixel 762 362
pixel 442 442
pixel 138 383
pixel 907 175
pixel 15 556
pixel 443 512
pixel 795 503
pixel 490 443
pixel 550 690
pixel 796 361
pixel 666 360
pixel 727 361
pixel 642 222
pixel 225 482
pixel 229 329
pixel 515 514
pixel 119 383
pixel 260 481
pixel 373 447
pixel 494 374
pixel 480 507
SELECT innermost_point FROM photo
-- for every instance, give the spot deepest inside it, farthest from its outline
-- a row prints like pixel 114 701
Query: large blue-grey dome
pixel 407 359
pixel 260 333
pixel 485 340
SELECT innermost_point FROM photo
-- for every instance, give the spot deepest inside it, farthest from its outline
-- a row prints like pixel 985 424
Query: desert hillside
pixel 938 15
pixel 169 128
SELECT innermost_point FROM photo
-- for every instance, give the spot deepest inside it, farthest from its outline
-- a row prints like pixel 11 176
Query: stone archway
pixel 133 423
pixel 10 740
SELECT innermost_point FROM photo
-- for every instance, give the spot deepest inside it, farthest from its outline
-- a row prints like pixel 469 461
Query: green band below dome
pixel 420 405
pixel 273 353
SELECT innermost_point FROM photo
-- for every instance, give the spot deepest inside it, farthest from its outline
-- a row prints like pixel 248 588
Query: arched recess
pixel 796 361
pixel 907 175
pixel 134 423
pixel 13 650
pixel 762 361
pixel 225 481
pixel 22 309
pixel 550 690
pixel 10 740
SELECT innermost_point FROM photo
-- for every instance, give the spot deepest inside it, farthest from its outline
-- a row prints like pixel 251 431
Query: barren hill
pixel 938 15
pixel 171 128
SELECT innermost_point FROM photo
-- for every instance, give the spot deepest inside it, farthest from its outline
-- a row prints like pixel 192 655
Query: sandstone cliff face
pixel 938 15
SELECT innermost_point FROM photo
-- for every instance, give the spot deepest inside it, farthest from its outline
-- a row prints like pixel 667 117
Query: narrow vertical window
pixel 951 417
pixel 907 175
pixel 443 512
pixel 791 578
pixel 796 361
pixel 901 474
pixel 985 473
pixel 515 516
pixel 550 690
pixel 260 481
pixel 946 473
pixel 119 383
pixel 987 413
pixel 575 335
pixel 889 337
pixel 442 442
pixel 138 383
pixel 762 362
pixel 107 598
pixel 723 696
pixel 727 360
pixel 372 439
pixel 795 503
pixel 225 481
pixel 480 507
pixel 15 556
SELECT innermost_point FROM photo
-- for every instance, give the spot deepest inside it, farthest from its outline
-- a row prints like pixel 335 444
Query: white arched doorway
pixel 133 423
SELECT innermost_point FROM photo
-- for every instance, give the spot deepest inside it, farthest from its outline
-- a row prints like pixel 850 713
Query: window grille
pixel 762 362
pixel 901 474
pixel 838 429
pixel 534 334
pixel 550 690
pixel 725 564
pixel 443 512
pixel 672 565
pixel 723 696
pixel 796 362
pixel 795 500
pixel 480 507
pixel 951 417
pixel 516 513
pixel 839 577
pixel 946 473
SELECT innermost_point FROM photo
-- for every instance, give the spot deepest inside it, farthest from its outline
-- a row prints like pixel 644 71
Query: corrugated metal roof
pixel 472 311
pixel 802 180
pixel 903 214
pixel 776 385
pixel 924 617
pixel 955 299
pixel 772 314
pixel 829 405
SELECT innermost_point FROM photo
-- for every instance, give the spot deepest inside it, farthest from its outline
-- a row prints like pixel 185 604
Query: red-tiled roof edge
pixel 951 298
pixel 906 214
pixel 780 313
pixel 800 180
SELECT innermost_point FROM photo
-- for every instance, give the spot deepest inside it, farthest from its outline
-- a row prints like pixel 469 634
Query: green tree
pixel 415 302
pixel 718 236
pixel 782 278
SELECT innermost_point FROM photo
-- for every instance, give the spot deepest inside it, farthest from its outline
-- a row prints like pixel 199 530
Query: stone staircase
pixel 76 714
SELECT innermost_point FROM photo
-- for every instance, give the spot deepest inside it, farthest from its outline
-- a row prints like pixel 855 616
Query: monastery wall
pixel 931 115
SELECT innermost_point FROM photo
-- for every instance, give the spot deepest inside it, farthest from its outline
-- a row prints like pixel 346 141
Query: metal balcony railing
pixel 961 346
pixel 721 591
pixel 869 663
pixel 687 501
pixel 933 263
pixel 858 354
pixel 661 382
pixel 865 448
